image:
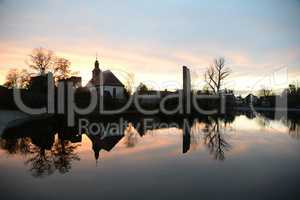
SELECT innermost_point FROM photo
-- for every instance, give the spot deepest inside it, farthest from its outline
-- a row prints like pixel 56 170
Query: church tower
pixel 97 73
pixel 96 70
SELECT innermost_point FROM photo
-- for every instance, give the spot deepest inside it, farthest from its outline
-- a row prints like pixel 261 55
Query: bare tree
pixel 264 92
pixel 216 74
pixel 41 60
pixel 62 68
pixel 129 84
pixel 44 60
pixel 16 78
pixel 11 78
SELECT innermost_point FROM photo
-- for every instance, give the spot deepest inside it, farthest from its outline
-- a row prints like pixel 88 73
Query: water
pixel 243 158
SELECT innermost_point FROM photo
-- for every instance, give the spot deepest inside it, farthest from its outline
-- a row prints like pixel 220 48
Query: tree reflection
pixel 59 157
pixel 45 155
pixel 22 146
pixel 64 152
pixel 291 121
pixel 11 146
pixel 25 146
pixel 294 128
pixel 263 122
pixel 214 139
pixel 41 162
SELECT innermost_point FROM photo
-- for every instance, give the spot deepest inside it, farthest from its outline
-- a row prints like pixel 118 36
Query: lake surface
pixel 246 158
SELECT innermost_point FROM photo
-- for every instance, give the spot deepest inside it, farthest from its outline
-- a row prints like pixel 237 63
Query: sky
pixel 153 39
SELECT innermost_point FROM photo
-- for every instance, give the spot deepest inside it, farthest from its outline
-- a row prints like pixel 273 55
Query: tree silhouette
pixel 62 69
pixel 142 88
pixel 44 60
pixel 293 90
pixel 216 74
pixel 16 78
pixel 264 92
pixel 41 60
pixel 129 83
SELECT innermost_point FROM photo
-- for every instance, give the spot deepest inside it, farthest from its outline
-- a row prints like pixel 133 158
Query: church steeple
pixel 96 70
pixel 97 63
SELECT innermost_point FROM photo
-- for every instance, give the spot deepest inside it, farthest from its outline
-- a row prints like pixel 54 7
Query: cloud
pixel 155 41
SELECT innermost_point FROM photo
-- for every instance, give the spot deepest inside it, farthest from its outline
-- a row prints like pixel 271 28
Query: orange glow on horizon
pixel 155 69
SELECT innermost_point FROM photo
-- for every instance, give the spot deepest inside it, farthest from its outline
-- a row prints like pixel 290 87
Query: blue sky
pixel 153 39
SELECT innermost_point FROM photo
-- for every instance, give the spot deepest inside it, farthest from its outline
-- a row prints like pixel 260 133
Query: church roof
pixel 108 79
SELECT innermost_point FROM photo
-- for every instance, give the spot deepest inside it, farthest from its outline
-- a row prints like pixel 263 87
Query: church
pixel 106 83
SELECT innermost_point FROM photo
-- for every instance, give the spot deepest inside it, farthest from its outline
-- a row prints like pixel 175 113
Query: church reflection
pixel 107 143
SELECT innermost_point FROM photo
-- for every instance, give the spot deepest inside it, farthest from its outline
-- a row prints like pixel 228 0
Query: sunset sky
pixel 260 39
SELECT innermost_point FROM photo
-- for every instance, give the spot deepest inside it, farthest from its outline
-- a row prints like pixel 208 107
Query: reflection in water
pixel 131 136
pixel 48 146
pixel 186 138
pixel 43 159
pixel 64 152
pixel 40 162
pixel 212 132
pixel 294 128
pixel 45 151
pixel 262 121
pixel 214 139
pixel 106 143
pixel 13 146
pixel 250 153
